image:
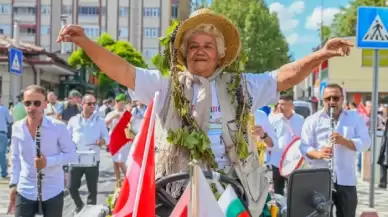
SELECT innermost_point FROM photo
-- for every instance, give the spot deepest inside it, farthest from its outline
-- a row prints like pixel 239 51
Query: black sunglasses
pixel 334 98
pixel 91 103
pixel 36 103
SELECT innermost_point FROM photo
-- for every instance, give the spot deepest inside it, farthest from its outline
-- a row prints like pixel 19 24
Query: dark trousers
pixel 279 181
pixel 345 200
pixel 383 177
pixel 28 208
pixel 91 175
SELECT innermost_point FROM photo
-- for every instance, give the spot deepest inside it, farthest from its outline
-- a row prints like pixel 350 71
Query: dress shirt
pixel 286 130
pixel 56 146
pixel 315 135
pixel 86 132
pixel 262 120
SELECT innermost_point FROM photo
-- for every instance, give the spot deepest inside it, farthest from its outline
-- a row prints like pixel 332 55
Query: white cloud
pixel 287 15
pixel 315 19
pixel 294 38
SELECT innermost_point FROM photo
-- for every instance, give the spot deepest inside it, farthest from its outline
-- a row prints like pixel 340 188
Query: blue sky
pixel 300 20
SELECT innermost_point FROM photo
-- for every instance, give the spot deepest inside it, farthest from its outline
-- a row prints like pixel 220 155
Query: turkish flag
pixel 118 138
pixel 143 144
pixel 181 208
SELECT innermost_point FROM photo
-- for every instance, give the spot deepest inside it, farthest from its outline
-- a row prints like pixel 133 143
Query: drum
pixel 292 158
pixel 85 159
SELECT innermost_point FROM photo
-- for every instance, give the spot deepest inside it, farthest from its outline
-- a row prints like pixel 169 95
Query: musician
pixel 287 125
pixel 56 149
pixel 350 136
pixel 89 133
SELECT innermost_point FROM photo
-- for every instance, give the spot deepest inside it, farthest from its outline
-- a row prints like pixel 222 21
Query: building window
pixel 67 9
pixel 151 12
pixel 27 31
pixel 151 32
pixel 123 12
pixel 46 9
pixel 123 32
pixel 5 29
pixel 45 30
pixel 92 31
pixel 174 11
pixel 24 10
pixel 148 53
pixel 90 11
pixel 5 8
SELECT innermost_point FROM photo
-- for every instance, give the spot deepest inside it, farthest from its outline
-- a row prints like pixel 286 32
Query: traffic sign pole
pixel 373 127
pixel 16 79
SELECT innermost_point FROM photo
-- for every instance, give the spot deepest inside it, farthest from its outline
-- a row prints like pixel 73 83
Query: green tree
pixel 261 37
pixel 346 20
pixel 124 49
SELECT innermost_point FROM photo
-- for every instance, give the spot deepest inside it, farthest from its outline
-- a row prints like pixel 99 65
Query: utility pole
pixel 15 79
pixel 320 66
pixel 63 24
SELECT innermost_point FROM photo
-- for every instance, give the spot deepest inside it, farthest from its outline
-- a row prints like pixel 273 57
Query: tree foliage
pixel 124 49
pixel 346 20
pixel 262 39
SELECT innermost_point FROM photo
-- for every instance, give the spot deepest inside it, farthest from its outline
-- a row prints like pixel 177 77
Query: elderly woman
pixel 202 104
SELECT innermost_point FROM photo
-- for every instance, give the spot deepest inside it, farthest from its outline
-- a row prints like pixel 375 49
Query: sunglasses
pixel 91 103
pixel 334 98
pixel 36 103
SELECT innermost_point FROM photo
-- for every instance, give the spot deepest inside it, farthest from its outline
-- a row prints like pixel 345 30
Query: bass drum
pixel 292 159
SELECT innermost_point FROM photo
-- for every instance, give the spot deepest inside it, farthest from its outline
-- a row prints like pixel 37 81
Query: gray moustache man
pixel 204 45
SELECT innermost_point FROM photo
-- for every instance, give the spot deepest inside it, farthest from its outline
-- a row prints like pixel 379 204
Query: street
pixel 106 186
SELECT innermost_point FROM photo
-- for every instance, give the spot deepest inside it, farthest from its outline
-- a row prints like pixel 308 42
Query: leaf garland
pixel 190 136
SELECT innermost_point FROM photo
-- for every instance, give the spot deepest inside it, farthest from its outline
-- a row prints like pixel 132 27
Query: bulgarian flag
pixel 137 195
pixel 231 205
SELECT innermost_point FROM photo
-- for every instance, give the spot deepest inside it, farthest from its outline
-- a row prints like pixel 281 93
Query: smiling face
pixel 202 57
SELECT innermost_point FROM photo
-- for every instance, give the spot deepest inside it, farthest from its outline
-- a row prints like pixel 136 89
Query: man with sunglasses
pixel 89 133
pixel 350 136
pixel 56 148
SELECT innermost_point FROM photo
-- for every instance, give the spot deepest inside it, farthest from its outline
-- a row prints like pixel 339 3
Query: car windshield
pixel 302 110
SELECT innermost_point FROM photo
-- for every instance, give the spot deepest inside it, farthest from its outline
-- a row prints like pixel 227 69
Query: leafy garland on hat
pixel 190 136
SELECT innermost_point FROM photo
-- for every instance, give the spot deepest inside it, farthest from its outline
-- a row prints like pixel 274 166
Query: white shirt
pixel 315 135
pixel 262 120
pixel 56 146
pixel 286 130
pixel 101 111
pixel 86 132
pixel 262 88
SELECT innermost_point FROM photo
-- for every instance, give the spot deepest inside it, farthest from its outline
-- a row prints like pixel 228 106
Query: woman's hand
pixel 71 33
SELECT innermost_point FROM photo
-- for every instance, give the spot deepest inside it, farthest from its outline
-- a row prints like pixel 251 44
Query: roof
pixel 30 52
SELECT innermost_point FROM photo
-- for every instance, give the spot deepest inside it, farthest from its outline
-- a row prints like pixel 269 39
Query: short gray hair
pixel 75 93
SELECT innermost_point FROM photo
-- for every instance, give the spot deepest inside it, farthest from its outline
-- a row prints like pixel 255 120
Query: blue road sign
pixel 15 61
pixel 372 23
pixel 321 87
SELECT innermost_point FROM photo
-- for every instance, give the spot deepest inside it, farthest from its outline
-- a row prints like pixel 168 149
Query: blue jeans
pixel 3 154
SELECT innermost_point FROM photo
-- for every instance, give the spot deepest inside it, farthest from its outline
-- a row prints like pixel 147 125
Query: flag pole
pixel 145 155
pixel 193 205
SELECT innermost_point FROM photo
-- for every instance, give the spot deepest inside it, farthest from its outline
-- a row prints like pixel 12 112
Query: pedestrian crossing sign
pixel 15 61
pixel 372 23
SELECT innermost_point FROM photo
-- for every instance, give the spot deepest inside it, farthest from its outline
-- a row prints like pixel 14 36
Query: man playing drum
pixel 287 125
pixel 200 99
pixel 89 133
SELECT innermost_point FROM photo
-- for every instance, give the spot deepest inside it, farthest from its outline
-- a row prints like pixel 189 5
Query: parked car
pixel 303 108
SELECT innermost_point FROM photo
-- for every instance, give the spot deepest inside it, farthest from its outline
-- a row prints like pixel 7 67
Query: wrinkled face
pixel 332 97
pixel 285 106
pixel 89 104
pixel 368 108
pixel 51 98
pixel 34 103
pixel 202 55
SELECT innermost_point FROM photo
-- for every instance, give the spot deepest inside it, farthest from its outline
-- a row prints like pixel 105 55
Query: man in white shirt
pixel 287 125
pixel 89 133
pixel 350 135
pixel 53 106
pixel 56 148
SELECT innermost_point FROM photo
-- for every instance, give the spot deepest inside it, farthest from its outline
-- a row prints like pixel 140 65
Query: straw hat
pixel 223 24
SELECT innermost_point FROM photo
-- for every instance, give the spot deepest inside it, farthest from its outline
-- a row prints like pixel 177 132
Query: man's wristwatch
pixel 264 136
pixel 12 185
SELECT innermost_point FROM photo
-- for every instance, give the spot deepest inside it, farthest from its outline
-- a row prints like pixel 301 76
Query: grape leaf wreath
pixel 190 136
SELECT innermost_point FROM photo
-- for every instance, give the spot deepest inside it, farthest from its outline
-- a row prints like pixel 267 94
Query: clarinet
pixel 39 175
pixel 332 145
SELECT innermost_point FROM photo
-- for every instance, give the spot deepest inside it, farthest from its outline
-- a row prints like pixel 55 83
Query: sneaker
pixel 78 209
